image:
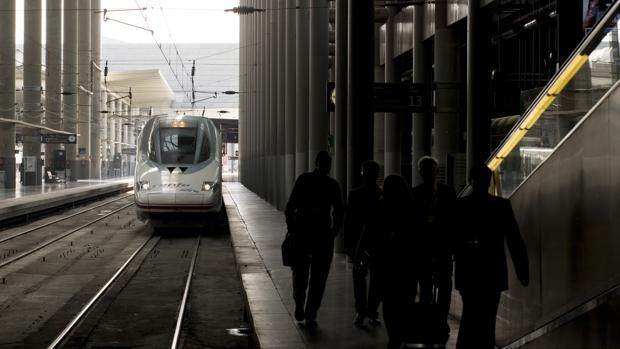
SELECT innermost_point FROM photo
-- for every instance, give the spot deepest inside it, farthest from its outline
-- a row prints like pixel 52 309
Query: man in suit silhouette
pixel 485 222
pixel 314 213
pixel 361 207
pixel 433 205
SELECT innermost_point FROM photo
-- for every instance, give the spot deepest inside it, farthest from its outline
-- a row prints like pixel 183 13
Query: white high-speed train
pixel 178 170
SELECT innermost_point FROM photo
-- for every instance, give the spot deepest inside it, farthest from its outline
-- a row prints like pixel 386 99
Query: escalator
pixel 560 167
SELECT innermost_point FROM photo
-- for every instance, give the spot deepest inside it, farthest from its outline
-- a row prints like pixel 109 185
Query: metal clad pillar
pixel 242 97
pixel 319 63
pixel 392 136
pixel 31 160
pixel 84 89
pixel 422 123
pixel 340 141
pixel 70 80
pixel 446 121
pixel 359 88
pixel 7 93
pixel 95 139
pixel 379 118
pixel 53 81
pixel 478 90
pixel 290 91
pixel 301 90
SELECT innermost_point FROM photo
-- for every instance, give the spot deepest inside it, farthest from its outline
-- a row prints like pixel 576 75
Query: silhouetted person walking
pixel 391 231
pixel 485 222
pixel 314 213
pixel 361 205
pixel 433 205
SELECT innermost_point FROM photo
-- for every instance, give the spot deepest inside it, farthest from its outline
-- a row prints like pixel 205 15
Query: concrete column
pixel 32 91
pixel 446 123
pixel 359 88
pixel 118 127
pixel 258 157
pixel 264 57
pixel 103 126
pixel 478 88
pixel 378 149
pixel 7 93
pixel 84 97
pixel 95 139
pixel 242 88
pixel 261 141
pixel 290 93
pixel 253 132
pixel 280 191
pixel 392 136
pixel 340 134
pixel 319 62
pixel 111 134
pixel 302 87
pixel 70 80
pixel 124 139
pixel 53 81
pixel 422 123
pixel 131 139
pixel 271 173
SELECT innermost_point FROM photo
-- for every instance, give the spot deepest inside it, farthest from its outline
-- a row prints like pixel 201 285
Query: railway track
pixel 151 247
pixel 21 249
pixel 117 283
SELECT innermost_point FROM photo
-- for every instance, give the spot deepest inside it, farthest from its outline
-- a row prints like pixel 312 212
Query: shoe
pixel 374 322
pixel 311 324
pixel 299 314
pixel 359 320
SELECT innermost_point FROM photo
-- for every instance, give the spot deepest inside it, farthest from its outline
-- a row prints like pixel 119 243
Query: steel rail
pixel 65 332
pixel 177 330
pixel 49 242
pixel 60 219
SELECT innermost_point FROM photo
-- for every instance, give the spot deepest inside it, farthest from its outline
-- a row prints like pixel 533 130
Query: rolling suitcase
pixel 425 327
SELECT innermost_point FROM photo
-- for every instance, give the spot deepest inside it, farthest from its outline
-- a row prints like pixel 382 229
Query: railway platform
pixel 257 230
pixel 29 200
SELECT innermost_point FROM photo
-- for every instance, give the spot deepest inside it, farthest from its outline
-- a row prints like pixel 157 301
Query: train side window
pixel 204 153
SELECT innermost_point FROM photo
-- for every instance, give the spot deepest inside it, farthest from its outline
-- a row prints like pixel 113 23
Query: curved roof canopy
pixel 149 88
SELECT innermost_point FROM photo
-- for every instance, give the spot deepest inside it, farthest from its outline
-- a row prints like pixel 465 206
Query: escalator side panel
pixel 569 214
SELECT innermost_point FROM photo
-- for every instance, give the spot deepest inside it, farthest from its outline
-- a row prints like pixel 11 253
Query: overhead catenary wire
pixel 168 61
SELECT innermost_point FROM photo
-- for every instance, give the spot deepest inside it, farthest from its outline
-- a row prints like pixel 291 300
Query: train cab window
pixel 177 145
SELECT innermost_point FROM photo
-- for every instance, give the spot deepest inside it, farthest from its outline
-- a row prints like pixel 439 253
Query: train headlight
pixel 144 185
pixel 209 186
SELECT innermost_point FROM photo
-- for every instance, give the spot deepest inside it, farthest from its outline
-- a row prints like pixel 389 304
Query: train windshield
pixel 178 145
pixel 182 142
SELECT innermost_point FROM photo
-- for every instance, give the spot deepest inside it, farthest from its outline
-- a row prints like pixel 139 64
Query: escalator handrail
pixel 553 87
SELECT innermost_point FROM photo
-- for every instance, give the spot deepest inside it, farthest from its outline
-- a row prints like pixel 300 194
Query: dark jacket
pixel 315 208
pixel 484 223
pixel 362 205
pixel 434 216
pixel 392 241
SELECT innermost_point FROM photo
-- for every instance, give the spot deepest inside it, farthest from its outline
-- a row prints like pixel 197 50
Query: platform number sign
pixel 58 138
pixel 402 97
